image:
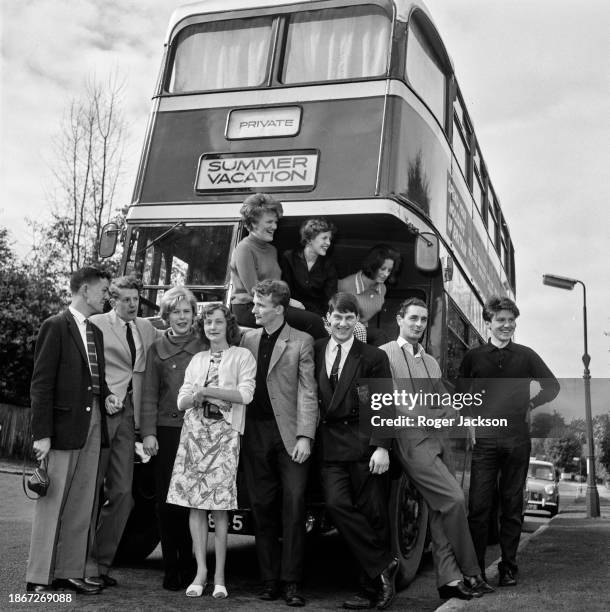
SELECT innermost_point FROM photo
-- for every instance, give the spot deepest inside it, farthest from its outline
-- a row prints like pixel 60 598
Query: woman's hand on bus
pixel 296 304
pixel 150 445
pixel 380 461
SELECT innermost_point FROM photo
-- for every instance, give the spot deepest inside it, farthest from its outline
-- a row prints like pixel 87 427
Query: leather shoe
pixel 507 577
pixel 363 600
pixel 172 581
pixel 77 585
pixel 102 581
pixel 478 584
pixel 387 592
pixel 32 587
pixel 292 597
pixel 270 591
pixel 459 591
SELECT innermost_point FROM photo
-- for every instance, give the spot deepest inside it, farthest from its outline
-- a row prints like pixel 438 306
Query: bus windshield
pixel 332 44
pixel 194 255
pixel 222 55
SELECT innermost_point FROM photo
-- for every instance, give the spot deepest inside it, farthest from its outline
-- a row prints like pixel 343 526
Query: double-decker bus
pixel 348 109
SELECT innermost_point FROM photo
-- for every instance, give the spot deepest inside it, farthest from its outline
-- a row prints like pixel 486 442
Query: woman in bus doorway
pixel 380 264
pixel 255 259
pixel 160 425
pixel 311 273
pixel 218 383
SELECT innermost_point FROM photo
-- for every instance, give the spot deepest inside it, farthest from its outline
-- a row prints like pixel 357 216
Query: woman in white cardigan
pixel 218 383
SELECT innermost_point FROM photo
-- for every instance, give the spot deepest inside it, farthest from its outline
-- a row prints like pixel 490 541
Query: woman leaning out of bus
pixel 218 383
pixel 310 273
pixel 160 424
pixel 368 285
pixel 255 259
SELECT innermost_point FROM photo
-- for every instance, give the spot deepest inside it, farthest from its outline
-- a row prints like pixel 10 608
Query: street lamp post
pixel 592 496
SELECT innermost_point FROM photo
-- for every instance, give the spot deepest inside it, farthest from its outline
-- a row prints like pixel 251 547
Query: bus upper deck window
pixel 332 44
pixel 425 72
pixel 221 55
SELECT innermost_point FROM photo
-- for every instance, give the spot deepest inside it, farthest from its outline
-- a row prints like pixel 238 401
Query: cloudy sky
pixel 535 77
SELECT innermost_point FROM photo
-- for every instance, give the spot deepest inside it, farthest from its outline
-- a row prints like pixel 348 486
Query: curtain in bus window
pixel 222 54
pixel 336 44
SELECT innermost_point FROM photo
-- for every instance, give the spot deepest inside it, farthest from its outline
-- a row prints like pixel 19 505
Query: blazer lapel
pixel 278 349
pixel 350 368
pixel 73 329
pixel 324 388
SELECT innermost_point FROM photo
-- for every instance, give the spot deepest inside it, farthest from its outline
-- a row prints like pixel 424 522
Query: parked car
pixel 541 490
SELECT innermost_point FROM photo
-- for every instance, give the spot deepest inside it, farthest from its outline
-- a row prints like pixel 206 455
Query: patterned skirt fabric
pixel 205 469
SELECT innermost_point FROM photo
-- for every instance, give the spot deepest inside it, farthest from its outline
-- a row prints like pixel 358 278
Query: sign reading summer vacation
pixel 270 171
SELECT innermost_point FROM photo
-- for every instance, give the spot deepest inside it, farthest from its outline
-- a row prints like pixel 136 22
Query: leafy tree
pixel 561 451
pixel 601 435
pixel 28 295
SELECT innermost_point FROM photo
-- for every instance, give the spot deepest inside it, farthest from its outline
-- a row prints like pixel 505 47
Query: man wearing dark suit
pixel 68 392
pixel 280 428
pixel 126 341
pixel 422 453
pixel 353 462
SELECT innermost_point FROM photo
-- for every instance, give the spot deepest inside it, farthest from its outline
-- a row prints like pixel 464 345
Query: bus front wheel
pixel 408 528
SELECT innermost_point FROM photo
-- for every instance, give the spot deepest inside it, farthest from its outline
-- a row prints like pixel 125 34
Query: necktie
pixel 131 343
pixel 95 373
pixel 334 372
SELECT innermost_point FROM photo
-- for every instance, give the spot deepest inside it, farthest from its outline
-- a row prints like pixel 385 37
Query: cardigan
pixel 370 300
pixel 237 370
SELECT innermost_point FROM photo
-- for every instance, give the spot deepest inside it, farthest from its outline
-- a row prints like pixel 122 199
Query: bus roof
pixel 206 7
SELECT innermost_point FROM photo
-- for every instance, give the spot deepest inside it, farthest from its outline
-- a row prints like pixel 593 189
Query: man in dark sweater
pixel 502 371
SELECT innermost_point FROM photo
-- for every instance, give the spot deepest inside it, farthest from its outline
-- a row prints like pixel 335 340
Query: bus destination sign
pixel 263 122
pixel 294 170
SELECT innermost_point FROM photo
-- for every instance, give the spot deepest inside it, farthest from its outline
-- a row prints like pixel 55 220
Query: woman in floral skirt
pixel 218 383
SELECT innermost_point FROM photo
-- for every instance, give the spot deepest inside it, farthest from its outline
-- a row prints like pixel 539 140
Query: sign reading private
pixel 294 170
pixel 263 122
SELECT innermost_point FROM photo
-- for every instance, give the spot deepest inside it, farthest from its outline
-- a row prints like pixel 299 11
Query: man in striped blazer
pixel 422 455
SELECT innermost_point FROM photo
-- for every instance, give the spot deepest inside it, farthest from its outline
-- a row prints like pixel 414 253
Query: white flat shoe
pixel 195 590
pixel 220 592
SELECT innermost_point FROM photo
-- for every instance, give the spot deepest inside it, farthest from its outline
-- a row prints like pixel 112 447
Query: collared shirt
pixel 402 342
pixel 331 354
pixel 504 375
pixel 81 325
pixel 261 407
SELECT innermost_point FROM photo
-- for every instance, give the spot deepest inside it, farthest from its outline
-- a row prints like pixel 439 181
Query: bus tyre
pixel 141 534
pixel 408 528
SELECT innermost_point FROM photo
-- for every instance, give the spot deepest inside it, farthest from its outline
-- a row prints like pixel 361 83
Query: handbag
pixel 38 482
